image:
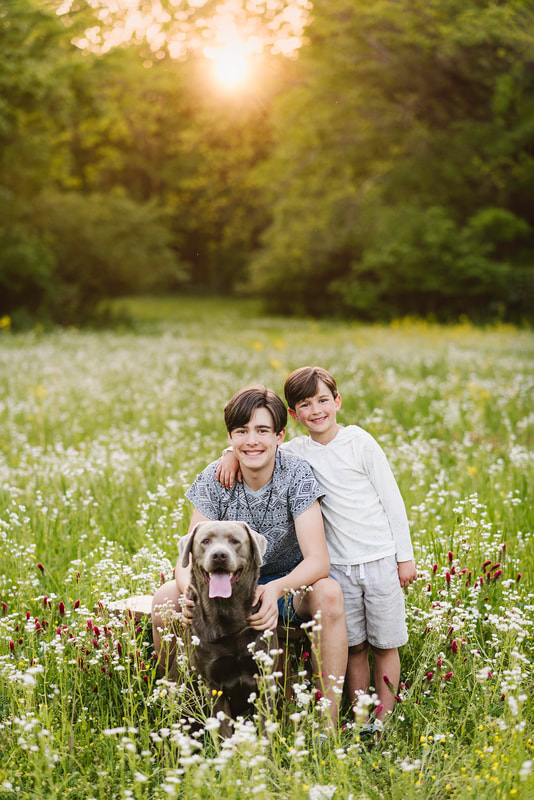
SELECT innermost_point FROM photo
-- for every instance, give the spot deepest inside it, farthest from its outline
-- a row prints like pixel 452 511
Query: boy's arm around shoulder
pixel 295 445
pixel 228 470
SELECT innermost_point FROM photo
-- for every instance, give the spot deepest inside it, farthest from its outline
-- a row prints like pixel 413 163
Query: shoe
pixel 371 732
pixel 321 741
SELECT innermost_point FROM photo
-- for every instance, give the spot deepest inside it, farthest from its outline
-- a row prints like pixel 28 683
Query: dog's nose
pixel 219 557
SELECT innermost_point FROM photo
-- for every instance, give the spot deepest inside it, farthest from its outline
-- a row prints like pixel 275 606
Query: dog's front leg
pixel 222 711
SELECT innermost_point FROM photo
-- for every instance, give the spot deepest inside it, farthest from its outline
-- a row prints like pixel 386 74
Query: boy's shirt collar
pixel 334 437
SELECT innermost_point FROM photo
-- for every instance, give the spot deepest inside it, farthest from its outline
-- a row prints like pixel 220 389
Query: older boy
pixel 278 497
pixel 366 529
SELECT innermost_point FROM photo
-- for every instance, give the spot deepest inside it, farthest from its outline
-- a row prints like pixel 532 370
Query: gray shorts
pixel 374 603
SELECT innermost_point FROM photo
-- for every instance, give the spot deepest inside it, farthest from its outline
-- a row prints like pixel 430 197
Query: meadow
pixel 101 433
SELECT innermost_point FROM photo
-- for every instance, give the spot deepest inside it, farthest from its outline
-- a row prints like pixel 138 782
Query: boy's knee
pixel 390 652
pixel 163 601
pixel 328 598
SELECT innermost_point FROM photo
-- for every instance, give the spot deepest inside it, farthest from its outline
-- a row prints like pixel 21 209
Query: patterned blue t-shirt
pixel 270 511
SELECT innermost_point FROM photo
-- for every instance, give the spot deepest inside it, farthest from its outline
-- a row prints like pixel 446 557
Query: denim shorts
pixel 374 603
pixel 285 604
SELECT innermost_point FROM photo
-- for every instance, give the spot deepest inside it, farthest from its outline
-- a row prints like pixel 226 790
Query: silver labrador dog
pixel 225 564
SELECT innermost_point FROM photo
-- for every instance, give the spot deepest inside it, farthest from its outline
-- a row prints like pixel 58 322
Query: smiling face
pixel 222 552
pixel 254 445
pixel 318 413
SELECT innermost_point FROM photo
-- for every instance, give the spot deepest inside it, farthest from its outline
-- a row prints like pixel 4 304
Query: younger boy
pixel 366 529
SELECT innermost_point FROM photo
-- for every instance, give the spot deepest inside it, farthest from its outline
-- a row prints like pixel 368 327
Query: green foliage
pixel 393 175
pixel 421 262
pixel 104 246
pixel 414 119
pixel 36 64
pixel 26 264
pixel 91 132
pixel 219 192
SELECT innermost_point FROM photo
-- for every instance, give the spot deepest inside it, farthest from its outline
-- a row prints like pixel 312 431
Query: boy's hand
pixel 228 470
pixel 407 573
pixel 187 602
pixel 266 618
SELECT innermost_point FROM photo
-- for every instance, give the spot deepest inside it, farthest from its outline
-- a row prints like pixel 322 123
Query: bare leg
pixel 283 666
pixel 386 662
pixel 358 672
pixel 165 607
pixel 330 644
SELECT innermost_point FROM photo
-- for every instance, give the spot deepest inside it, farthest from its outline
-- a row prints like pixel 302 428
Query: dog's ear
pixel 185 544
pixel 259 543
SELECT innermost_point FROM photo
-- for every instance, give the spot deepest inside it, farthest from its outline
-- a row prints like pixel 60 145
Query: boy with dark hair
pixel 279 498
pixel 366 528
pixel 245 402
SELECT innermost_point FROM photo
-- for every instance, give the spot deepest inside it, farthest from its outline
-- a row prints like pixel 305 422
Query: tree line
pixel 387 170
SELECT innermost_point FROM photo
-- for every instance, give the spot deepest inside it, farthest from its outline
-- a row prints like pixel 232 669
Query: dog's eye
pixel 234 541
pixel 205 541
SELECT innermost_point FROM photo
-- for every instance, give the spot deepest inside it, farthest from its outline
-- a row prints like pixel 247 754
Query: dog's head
pixel 221 553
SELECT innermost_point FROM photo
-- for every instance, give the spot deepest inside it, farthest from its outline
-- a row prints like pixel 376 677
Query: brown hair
pixel 245 402
pixel 303 383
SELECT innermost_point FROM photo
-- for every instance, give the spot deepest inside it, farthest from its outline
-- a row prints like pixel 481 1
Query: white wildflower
pixel 409 766
pixel 319 792
pixel 526 769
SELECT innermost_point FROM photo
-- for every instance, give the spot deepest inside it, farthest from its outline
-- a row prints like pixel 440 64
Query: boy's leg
pixel 386 627
pixel 165 610
pixel 358 672
pixel 330 642
pixel 386 663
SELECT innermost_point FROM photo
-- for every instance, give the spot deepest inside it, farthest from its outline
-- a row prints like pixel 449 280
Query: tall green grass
pixel 101 434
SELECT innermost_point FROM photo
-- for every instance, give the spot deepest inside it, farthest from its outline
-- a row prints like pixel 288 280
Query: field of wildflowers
pixel 100 435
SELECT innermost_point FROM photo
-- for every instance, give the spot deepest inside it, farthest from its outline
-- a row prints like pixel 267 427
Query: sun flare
pixel 231 67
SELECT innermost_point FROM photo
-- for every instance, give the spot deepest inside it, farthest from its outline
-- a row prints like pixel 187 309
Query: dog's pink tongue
pixel 220 585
